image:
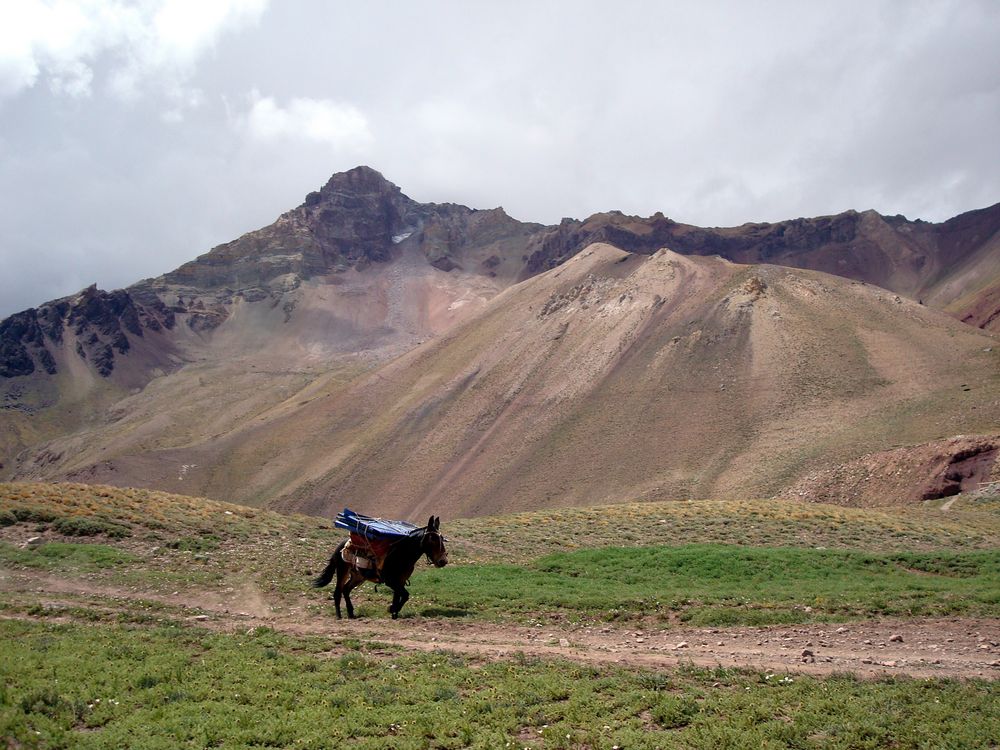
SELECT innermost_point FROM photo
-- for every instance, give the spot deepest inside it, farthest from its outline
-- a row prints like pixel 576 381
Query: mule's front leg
pixel 399 597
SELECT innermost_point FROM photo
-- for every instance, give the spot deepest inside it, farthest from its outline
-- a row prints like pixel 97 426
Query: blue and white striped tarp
pixel 375 528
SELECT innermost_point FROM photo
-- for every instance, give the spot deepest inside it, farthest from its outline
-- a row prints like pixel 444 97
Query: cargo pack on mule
pixel 371 538
pixel 381 551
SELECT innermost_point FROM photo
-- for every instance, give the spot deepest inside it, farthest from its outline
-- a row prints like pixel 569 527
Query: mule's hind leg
pixel 342 588
pixel 337 592
pixel 351 584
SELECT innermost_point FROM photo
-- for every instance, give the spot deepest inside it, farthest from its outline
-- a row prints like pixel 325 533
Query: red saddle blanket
pixel 374 548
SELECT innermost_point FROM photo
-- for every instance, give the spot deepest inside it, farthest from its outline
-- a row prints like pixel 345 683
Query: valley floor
pixel 135 618
pixel 953 647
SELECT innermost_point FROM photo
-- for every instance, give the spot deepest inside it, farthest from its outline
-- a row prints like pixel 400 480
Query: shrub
pixel 194 544
pixel 90 527
pixel 674 712
pixel 38 515
pixel 46 702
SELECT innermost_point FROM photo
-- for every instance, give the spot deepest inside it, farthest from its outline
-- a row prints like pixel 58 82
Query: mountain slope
pixel 349 278
pixel 617 376
pixel 612 377
pixel 954 265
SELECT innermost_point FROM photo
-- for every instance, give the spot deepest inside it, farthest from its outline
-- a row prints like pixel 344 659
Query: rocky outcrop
pixel 961 470
pixel 488 242
pixel 99 322
pixel 632 233
pixel 22 344
pixel 912 474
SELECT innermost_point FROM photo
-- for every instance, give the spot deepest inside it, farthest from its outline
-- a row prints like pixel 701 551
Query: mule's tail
pixel 330 571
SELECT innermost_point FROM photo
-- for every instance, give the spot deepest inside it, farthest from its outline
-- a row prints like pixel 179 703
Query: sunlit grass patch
pixel 181 541
pixel 775 523
pixel 129 508
pixel 723 585
pixel 513 566
pixel 65 556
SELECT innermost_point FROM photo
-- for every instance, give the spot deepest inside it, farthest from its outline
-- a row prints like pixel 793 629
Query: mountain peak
pixel 362 179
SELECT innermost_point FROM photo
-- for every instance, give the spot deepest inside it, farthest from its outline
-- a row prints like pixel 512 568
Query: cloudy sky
pixel 137 135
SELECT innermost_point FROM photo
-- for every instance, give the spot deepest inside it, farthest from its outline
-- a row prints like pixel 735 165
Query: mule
pixel 399 563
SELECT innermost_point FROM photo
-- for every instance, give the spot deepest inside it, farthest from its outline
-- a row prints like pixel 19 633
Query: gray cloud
pixel 129 148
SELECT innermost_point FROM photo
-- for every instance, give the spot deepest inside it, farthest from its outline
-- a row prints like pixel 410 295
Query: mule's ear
pixel 430 523
pixel 437 522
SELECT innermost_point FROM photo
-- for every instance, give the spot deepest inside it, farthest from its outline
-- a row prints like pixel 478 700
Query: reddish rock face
pixel 961 471
pixel 929 471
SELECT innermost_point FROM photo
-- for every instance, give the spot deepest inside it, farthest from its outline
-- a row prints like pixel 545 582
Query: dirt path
pixel 943 647
pixel 957 647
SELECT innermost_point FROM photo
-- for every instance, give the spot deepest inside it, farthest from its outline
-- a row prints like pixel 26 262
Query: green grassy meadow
pixel 723 585
pixel 83 686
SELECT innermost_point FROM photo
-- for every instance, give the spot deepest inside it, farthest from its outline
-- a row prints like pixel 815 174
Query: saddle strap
pixel 351 557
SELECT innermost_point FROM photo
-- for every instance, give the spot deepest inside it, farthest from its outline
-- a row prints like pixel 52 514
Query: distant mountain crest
pixel 359 219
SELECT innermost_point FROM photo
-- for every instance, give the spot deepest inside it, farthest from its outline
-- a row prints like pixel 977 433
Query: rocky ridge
pixel 358 218
pixel 99 322
pixel 913 258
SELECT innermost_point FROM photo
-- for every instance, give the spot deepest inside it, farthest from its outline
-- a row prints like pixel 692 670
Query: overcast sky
pixel 137 135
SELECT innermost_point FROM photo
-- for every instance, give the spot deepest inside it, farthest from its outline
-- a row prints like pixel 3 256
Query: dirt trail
pixel 941 647
pixel 954 647
pixel 947 505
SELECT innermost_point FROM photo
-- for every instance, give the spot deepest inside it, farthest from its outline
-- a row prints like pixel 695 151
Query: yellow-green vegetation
pixel 704 562
pixel 144 509
pixel 66 557
pixel 173 540
pixel 971 524
pixel 722 585
pixel 82 686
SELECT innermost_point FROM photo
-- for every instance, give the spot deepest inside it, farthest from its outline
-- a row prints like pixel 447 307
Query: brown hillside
pixel 261 359
pixel 942 468
pixel 616 377
pixel 610 378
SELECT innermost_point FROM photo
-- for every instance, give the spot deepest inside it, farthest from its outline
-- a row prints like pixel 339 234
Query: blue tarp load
pixel 374 528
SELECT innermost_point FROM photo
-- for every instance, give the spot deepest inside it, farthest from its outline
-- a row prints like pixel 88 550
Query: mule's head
pixel 432 543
